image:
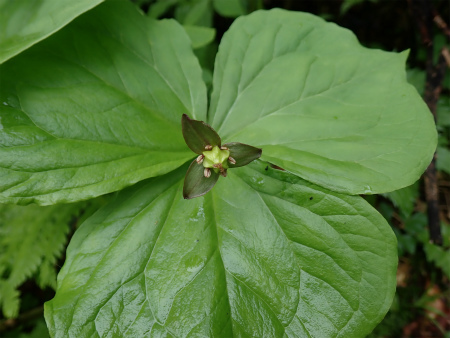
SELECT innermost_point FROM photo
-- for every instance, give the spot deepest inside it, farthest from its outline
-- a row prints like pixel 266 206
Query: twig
pixel 435 78
pixel 421 12
pixel 432 195
pixel 441 24
pixel 433 88
pixel 9 324
pixel 424 14
pixel 446 54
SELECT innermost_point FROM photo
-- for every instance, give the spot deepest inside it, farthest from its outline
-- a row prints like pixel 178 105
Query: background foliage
pixel 28 266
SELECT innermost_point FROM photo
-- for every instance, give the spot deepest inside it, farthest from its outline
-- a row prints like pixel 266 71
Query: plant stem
pixel 11 323
pixel 441 24
pixel 424 15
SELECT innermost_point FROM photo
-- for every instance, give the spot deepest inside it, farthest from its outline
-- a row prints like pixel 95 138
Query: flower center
pixel 216 158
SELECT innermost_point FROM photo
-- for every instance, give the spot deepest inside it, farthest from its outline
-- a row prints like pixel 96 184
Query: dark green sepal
pixel 198 134
pixel 243 154
pixel 195 183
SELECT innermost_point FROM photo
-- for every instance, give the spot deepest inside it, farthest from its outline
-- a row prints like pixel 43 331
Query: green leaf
pixel 24 23
pixel 416 226
pixel 443 111
pixel 443 159
pixel 31 240
pixel 439 256
pixel 229 8
pixel 405 243
pixel 319 104
pixel 160 7
pixel 9 299
pixel 405 199
pixel 416 77
pixel 265 254
pixel 347 4
pixel 194 13
pixel 200 36
pixel 97 107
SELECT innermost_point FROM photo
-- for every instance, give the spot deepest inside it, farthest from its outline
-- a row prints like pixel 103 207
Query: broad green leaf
pixel 194 13
pixel 265 254
pixel 26 22
pixel 200 36
pixel 319 104
pixel 97 107
pixel 229 8
pixel 160 7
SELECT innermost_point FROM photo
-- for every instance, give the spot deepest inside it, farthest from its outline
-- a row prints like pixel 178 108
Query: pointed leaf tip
pixel 242 154
pixel 195 182
pixel 198 134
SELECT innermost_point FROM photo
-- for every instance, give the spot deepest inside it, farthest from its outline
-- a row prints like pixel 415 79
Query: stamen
pixel 200 159
pixel 207 172
pixel 231 160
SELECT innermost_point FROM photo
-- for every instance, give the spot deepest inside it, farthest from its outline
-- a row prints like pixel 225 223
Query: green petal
pixel 195 183
pixel 198 134
pixel 243 154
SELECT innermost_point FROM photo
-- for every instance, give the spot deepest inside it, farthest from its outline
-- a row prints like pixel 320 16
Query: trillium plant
pixel 104 100
pixel 214 159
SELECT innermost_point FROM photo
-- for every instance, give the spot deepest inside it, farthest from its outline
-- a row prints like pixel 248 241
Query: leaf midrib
pixel 290 241
pixel 300 99
pixel 112 245
pixel 104 82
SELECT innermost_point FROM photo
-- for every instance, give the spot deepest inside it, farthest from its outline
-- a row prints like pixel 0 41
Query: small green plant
pixel 282 246
pixel 214 159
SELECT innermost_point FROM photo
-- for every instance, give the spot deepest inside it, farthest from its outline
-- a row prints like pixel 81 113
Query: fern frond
pixel 31 239
pixel 46 275
pixel 9 299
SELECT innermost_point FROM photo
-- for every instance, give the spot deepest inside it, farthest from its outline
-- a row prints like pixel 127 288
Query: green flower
pixel 214 159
